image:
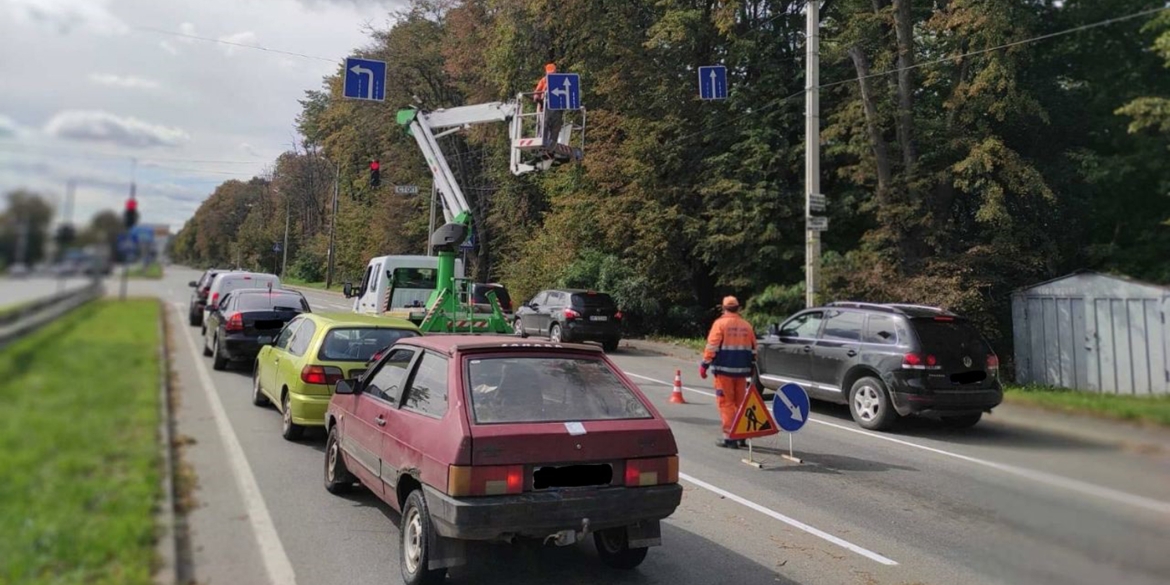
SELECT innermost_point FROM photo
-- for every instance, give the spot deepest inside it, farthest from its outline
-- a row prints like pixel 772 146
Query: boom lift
pixel 540 139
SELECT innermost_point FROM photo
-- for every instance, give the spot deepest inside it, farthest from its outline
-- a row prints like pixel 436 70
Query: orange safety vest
pixel 731 347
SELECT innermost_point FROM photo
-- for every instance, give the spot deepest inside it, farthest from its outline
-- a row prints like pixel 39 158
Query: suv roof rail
pixel 920 307
pixel 861 305
pixel 898 308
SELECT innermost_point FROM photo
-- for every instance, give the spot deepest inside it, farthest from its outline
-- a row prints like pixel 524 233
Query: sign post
pixel 790 407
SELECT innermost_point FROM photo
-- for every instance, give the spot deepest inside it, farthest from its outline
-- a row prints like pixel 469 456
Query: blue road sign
pixel 468 244
pixel 713 82
pixel 564 91
pixel 790 407
pixel 276 247
pixel 365 79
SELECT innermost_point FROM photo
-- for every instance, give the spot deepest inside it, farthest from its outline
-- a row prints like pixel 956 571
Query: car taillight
pixel 206 289
pixel 484 480
pixel 913 361
pixel 570 314
pixel 618 315
pixel 993 364
pixel 327 375
pixel 234 323
pixel 657 471
pixel 214 297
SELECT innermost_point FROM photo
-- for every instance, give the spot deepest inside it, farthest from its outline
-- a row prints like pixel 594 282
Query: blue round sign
pixel 790 407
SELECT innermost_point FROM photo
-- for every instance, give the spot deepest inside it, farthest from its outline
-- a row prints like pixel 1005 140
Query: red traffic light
pixel 375 165
pixel 131 204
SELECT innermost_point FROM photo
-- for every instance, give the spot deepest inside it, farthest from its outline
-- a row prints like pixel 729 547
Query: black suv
pixel 885 361
pixel 199 296
pixel 571 315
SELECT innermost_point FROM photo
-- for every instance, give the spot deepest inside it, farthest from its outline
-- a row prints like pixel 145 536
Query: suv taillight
pixel 214 297
pixel 657 471
pixel 570 314
pixel 327 375
pixel 234 323
pixel 617 316
pixel 484 480
pixel 914 361
pixel 993 365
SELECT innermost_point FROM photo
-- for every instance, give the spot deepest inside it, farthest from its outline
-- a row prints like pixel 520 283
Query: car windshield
pixel 549 389
pixel 600 301
pixel 414 278
pixel 358 344
pixel 271 302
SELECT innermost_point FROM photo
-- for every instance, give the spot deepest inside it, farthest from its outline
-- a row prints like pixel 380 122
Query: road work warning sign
pixel 753 418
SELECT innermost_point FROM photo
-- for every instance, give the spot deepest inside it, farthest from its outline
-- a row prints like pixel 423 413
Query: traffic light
pixel 375 173
pixel 130 216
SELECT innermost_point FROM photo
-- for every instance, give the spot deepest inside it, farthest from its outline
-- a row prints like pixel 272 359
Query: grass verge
pixel 317 285
pixel 150 271
pixel 8 310
pixel 79 450
pixel 1153 410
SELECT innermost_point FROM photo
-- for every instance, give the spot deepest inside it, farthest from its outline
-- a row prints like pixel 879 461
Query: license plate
pixel 599 318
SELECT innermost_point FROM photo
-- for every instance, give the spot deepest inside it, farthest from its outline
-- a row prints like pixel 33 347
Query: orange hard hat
pixel 550 68
pixel 730 301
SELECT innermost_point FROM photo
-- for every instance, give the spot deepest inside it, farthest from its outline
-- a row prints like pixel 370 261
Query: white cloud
pixel 106 127
pixel 124 81
pixel 67 15
pixel 241 38
pixel 187 29
pixel 9 128
pixel 168 47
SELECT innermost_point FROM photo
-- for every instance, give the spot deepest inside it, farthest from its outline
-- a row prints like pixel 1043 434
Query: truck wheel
pixel 554 333
pixel 613 546
pixel 290 430
pixel 338 479
pixel 518 328
pixel 964 421
pixel 869 403
pixel 414 550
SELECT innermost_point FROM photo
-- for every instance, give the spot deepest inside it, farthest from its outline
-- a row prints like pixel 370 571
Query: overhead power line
pixel 24 149
pixel 161 31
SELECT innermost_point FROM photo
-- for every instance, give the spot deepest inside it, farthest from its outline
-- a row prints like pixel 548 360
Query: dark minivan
pixel 885 362
pixel 571 315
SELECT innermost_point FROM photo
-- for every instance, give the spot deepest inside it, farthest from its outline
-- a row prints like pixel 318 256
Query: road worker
pixel 542 84
pixel 731 355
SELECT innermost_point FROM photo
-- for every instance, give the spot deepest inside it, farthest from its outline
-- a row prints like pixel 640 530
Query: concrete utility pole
pixel 812 150
pixel 287 217
pixel 333 225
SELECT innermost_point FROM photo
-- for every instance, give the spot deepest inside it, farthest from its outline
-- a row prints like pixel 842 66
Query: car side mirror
pixel 265 340
pixel 192 284
pixel 346 387
pixel 347 290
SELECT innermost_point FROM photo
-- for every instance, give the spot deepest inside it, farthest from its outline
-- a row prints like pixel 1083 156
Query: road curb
pixel 166 548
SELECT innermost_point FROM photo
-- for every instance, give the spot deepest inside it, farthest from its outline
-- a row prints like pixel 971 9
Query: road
pixel 16 291
pixel 1021 498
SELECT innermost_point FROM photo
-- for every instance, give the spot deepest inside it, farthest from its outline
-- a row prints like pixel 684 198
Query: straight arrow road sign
pixel 713 82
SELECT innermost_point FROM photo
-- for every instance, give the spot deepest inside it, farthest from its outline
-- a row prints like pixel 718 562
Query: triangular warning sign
pixel 753 419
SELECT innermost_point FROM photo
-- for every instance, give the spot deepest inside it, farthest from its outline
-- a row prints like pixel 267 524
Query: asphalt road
pixel 1022 498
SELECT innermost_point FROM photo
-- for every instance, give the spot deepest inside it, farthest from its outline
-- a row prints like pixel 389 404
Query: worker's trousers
pixel 729 394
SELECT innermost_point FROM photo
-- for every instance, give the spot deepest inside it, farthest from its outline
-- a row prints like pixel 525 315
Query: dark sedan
pixel 246 319
pixel 199 296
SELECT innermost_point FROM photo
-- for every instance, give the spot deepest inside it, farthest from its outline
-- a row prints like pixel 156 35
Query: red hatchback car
pixel 492 439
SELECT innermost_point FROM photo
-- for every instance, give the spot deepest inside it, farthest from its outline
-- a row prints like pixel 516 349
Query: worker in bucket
pixel 549 121
pixel 542 85
pixel 730 355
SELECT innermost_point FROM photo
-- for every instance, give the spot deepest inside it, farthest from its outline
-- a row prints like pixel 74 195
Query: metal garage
pixel 1093 331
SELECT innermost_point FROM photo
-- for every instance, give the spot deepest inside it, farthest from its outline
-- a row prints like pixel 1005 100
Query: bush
pixel 309 267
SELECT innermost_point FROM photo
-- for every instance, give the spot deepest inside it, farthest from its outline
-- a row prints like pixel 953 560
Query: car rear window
pixel 941 335
pixel 358 344
pixel 549 389
pixel 593 301
pixel 271 302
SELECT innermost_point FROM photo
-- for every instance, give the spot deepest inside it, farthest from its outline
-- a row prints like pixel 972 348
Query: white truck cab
pixel 400 284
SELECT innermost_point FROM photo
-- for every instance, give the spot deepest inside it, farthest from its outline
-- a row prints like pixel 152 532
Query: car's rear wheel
pixel 518 328
pixel 610 345
pixel 206 350
pixel 963 421
pixel 218 362
pixel 290 430
pixel 338 479
pixel 869 403
pixel 258 397
pixel 195 319
pixel 554 333
pixel 613 546
pixel 414 551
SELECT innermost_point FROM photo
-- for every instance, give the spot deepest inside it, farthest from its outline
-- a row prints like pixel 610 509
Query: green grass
pixel 694 343
pixel 79 457
pixel 1154 410
pixel 151 271
pixel 6 310
pixel 317 285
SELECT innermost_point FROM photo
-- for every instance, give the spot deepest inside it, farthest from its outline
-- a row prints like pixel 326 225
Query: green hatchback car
pixel 299 368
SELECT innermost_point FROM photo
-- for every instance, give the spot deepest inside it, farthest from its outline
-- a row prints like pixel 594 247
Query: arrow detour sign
pixel 753 419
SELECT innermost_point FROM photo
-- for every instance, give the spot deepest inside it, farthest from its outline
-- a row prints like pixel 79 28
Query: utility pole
pixel 812 150
pixel 333 225
pixel 430 246
pixel 287 216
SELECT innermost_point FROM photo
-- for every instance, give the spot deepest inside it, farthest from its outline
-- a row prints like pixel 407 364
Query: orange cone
pixel 676 396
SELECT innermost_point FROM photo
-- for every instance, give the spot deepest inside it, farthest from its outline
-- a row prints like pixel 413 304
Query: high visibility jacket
pixel 541 85
pixel 731 347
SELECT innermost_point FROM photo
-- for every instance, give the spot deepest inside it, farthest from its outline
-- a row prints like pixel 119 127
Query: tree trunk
pixel 881 153
pixel 904 27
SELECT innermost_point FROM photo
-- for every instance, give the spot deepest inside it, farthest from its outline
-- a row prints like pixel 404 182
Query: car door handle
pixel 851 352
pixel 381 421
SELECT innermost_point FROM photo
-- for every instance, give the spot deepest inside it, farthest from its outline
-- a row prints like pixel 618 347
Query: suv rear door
pixel 958 349
pixel 836 349
pixel 597 309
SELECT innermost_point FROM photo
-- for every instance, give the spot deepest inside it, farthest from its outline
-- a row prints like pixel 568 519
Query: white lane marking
pixel 1050 479
pixel 791 521
pixel 276 561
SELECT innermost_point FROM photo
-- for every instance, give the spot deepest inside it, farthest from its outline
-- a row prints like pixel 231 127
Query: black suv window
pixel 556 299
pixel 947 333
pixel 844 326
pixel 804 325
pixel 881 329
pixel 599 301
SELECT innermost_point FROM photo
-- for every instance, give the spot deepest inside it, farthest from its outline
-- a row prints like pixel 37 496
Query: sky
pixel 88 85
